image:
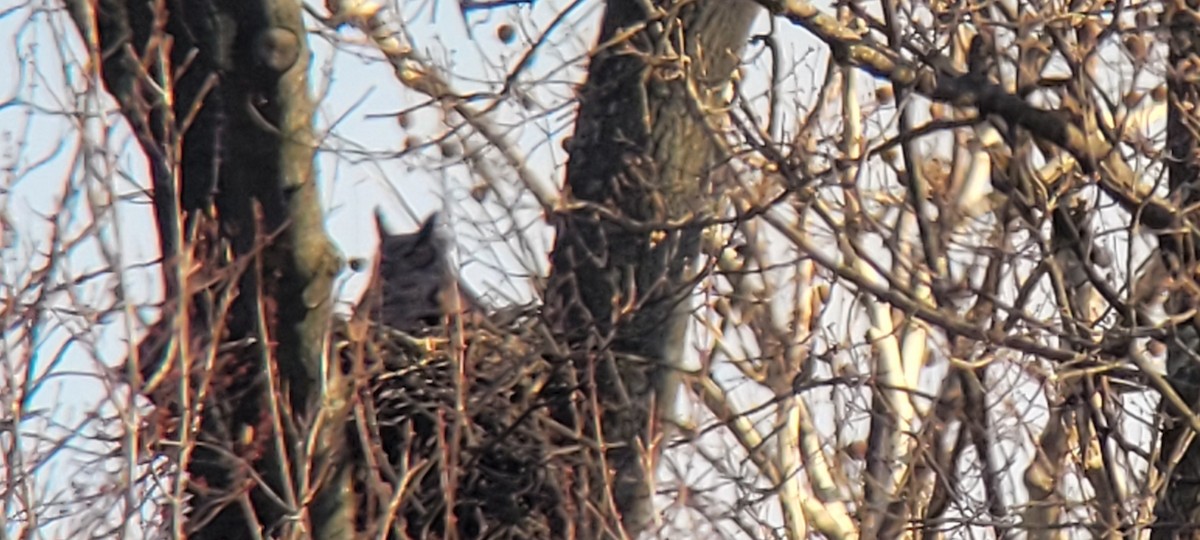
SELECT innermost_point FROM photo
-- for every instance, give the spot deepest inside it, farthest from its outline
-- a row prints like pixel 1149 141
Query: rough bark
pixel 620 285
pixel 1178 507
pixel 217 94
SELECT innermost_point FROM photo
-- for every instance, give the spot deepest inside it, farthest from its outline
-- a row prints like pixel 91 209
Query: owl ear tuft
pixel 379 224
pixel 428 227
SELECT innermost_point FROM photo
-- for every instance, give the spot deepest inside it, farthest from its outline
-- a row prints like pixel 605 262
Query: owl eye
pixel 422 257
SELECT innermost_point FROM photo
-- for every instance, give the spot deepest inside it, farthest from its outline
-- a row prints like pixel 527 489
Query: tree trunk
pixel 621 283
pixel 1178 508
pixel 217 94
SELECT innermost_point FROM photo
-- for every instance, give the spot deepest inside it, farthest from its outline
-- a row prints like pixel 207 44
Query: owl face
pixel 415 275
pixel 412 277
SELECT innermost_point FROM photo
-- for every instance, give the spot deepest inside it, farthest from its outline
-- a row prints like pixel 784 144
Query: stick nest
pixel 471 426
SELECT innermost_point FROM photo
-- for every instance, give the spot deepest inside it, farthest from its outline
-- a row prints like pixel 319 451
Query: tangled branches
pixel 461 435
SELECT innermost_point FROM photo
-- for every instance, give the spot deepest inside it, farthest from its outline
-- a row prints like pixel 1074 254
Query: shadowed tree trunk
pixel 217 94
pixel 643 148
pixel 1178 509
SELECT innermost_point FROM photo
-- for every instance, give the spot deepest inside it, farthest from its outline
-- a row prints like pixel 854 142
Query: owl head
pixel 412 277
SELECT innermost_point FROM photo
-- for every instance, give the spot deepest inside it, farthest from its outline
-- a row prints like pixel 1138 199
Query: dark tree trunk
pixel 621 283
pixel 230 144
pixel 1178 509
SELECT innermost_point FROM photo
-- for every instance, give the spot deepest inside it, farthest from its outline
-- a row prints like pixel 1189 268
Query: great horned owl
pixel 413 285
